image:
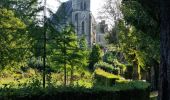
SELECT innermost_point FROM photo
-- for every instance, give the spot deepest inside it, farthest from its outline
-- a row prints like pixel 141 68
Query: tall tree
pixel 12 38
pixel 95 56
pixel 67 51
pixel 134 39
pixel 164 89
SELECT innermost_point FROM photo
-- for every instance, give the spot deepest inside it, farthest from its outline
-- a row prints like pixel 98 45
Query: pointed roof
pixel 63 14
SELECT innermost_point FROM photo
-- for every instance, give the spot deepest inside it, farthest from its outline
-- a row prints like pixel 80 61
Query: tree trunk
pixel 154 76
pixel 71 77
pixel 136 70
pixel 152 79
pixel 164 77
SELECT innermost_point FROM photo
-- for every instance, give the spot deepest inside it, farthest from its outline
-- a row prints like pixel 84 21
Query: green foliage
pixel 112 57
pixel 141 39
pixel 25 10
pixel 119 65
pixel 66 50
pixel 107 67
pixel 13 39
pixel 131 91
pixel 122 85
pixel 22 28
pixel 135 14
pixel 137 35
pixel 136 47
pixel 95 55
pixel 109 57
pixel 22 39
pixel 104 78
pixel 105 74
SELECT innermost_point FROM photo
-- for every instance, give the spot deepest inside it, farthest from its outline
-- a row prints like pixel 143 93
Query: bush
pixel 119 65
pixel 130 85
pixel 109 57
pixel 104 78
pixel 107 67
pixel 132 92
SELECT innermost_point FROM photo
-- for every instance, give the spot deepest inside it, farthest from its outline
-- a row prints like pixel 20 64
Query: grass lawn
pixel 16 80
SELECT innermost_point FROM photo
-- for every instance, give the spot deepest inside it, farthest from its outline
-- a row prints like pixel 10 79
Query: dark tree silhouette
pixel 164 85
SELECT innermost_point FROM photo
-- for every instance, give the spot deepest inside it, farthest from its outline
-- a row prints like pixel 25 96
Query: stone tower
pixel 81 19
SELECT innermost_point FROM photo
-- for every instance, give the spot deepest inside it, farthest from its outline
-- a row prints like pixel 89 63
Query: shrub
pixel 130 91
pixel 107 67
pixel 109 57
pixel 131 85
pixel 119 65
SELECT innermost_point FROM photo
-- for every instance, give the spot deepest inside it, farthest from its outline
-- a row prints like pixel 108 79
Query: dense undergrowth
pixel 84 87
pixel 129 90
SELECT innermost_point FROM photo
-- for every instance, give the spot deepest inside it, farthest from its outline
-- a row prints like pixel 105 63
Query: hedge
pixel 118 92
pixel 104 78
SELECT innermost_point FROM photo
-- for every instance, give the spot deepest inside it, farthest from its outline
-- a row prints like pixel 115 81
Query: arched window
pixel 83 29
pixel 81 6
pixel 76 20
pixel 85 6
pixel 76 17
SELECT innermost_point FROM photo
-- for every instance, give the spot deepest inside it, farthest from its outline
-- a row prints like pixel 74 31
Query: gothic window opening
pixel 76 17
pixel 81 6
pixel 83 29
pixel 99 38
pixel 102 28
pixel 85 6
pixel 76 20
